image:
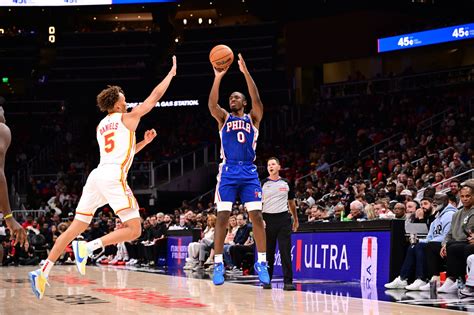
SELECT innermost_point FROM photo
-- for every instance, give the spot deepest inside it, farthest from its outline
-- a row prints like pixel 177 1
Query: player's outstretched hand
pixel 149 135
pixel 242 65
pixel 17 231
pixel 173 68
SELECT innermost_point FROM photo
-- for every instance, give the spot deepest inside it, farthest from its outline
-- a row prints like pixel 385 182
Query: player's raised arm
pixel 257 107
pixel 217 112
pixel 150 102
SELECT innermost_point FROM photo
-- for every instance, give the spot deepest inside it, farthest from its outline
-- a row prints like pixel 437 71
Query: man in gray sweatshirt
pixel 458 243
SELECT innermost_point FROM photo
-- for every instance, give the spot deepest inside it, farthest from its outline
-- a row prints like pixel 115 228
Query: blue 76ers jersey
pixel 238 139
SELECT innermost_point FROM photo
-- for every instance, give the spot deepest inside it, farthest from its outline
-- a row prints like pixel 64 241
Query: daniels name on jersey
pixel 111 126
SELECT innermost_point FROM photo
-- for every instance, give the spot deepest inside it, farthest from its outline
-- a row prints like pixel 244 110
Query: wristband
pixel 8 216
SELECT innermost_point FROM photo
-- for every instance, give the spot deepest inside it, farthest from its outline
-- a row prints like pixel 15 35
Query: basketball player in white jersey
pixel 108 182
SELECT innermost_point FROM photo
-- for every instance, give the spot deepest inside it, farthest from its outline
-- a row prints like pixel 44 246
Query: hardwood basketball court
pixel 108 290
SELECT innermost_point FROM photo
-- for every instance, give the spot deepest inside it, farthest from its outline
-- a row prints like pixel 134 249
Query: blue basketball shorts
pixel 239 179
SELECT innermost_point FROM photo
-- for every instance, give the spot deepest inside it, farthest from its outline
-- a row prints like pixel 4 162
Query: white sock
pixel 93 245
pixel 262 257
pixel 218 258
pixel 48 265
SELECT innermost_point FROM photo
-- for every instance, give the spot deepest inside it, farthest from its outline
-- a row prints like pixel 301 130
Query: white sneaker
pixel 426 287
pixel 398 283
pixel 467 291
pixel 190 265
pixel 234 271
pixel 415 286
pixel 449 286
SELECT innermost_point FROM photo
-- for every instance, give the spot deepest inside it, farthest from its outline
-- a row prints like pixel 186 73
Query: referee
pixel 278 197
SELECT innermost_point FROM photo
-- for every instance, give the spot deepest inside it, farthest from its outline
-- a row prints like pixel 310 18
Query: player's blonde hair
pixel 108 97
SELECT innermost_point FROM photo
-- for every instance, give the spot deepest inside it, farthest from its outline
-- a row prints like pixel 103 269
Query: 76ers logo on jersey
pixel 240 126
pixel 258 194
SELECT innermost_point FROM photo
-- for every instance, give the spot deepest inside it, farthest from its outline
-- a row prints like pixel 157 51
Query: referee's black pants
pixel 278 227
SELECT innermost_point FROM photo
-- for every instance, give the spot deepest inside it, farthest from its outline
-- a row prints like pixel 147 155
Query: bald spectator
pixel 399 211
pixel 338 210
pixel 411 207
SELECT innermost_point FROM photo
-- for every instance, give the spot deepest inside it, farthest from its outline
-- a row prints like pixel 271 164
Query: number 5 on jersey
pixel 109 142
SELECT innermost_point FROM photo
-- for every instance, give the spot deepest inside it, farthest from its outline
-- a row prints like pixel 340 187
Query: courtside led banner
pixel 346 256
pixel 177 251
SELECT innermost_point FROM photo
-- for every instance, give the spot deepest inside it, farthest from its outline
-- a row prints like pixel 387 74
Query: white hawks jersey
pixel 117 143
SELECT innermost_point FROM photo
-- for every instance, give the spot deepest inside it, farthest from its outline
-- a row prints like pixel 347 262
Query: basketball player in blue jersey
pixel 237 173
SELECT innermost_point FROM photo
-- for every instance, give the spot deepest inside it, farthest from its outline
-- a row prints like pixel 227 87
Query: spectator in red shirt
pixel 376 176
pixel 28 222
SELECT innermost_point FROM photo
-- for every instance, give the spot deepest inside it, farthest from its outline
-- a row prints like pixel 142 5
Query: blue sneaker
pixel 262 269
pixel 218 277
pixel 38 282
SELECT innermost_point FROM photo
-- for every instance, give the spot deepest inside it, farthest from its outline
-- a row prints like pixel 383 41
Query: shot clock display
pixel 418 39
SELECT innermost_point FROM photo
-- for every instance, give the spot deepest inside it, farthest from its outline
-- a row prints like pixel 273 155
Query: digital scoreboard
pixel 418 39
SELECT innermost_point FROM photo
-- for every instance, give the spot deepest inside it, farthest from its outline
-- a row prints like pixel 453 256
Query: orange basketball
pixel 221 57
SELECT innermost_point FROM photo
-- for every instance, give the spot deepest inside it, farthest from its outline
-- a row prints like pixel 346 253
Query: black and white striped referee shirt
pixel 276 194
